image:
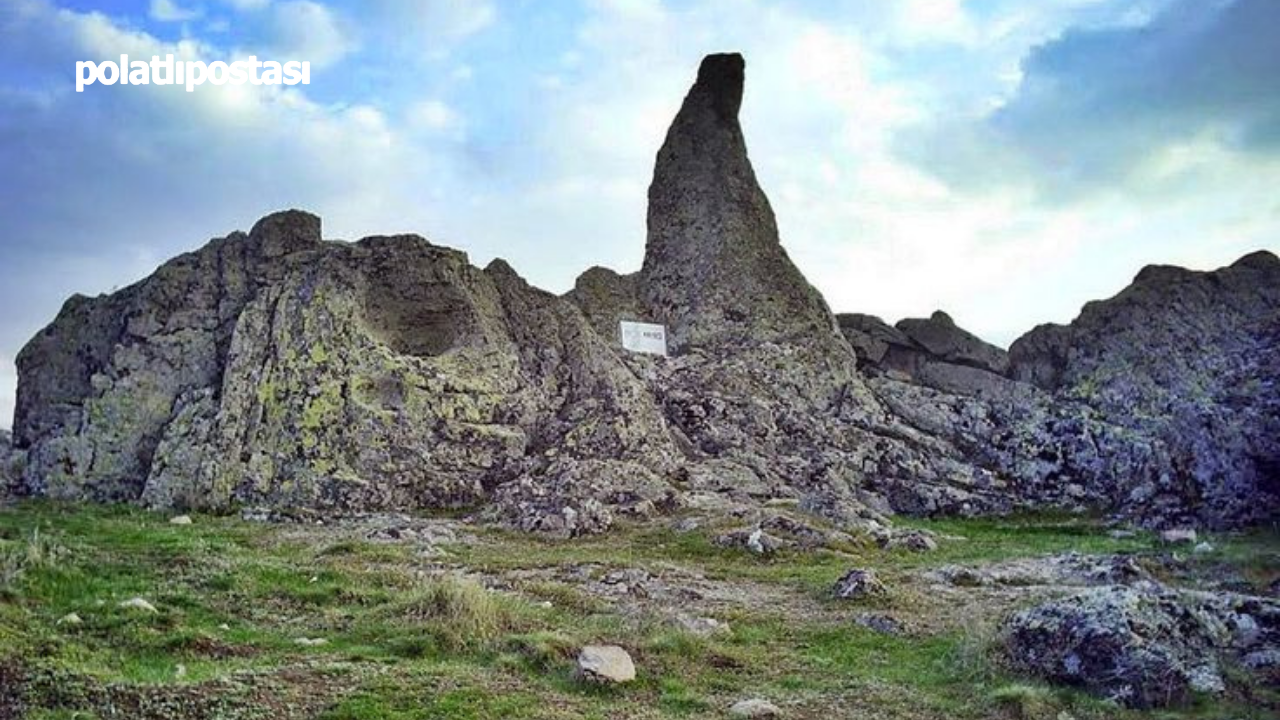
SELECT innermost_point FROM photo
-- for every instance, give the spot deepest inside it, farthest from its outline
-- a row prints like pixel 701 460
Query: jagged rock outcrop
pixel 1160 403
pixel 1188 363
pixel 763 387
pixel 929 351
pixel 276 368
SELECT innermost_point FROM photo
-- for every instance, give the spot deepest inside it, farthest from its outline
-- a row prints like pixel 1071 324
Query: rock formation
pixel 1160 403
pixel 1187 362
pixel 275 368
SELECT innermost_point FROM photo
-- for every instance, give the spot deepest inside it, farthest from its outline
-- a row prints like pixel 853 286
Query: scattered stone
pixel 180 520
pixel 1122 534
pixel 884 624
pixel 310 642
pixel 857 584
pixel 224 627
pixel 1178 536
pixel 913 540
pixel 1203 548
pixel 180 671
pixel 605 664
pixel 70 619
pixel 139 604
pixel 755 541
pixel 754 708
pixel 687 525
pixel 702 626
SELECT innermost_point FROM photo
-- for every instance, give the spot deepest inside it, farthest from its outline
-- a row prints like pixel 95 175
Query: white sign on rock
pixel 644 337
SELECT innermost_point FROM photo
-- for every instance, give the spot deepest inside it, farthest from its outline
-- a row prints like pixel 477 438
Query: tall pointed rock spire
pixel 714 270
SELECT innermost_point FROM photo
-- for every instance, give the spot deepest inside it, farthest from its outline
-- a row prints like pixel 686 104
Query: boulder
pixel 753 540
pixel 139 604
pixel 858 584
pixel 877 343
pixel 1143 646
pixel 942 339
pixel 1178 536
pixel 754 708
pixel 607 664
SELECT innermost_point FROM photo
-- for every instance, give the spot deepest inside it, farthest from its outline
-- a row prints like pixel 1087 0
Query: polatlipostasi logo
pixel 191 73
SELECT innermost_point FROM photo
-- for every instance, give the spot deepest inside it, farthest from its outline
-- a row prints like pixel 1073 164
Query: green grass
pixel 234 598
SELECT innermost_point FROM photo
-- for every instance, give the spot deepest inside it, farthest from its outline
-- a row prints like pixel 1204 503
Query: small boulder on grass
pixel 858 584
pixel 180 520
pixel 755 541
pixel 139 604
pixel 754 708
pixel 606 664
pixel 1178 536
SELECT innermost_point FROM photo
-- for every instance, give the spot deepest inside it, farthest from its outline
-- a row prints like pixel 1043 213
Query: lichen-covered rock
pixel 857 584
pixel 1146 646
pixel 275 369
pixel 1186 364
pixel 762 392
pixel 11 462
pixel 607 664
pixel 98 387
pixel 1068 570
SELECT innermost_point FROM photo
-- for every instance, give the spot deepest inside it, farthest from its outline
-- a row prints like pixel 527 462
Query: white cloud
pixel 115 180
pixel 247 5
pixel 924 21
pixel 435 116
pixel 306 30
pixel 430 26
pixel 170 11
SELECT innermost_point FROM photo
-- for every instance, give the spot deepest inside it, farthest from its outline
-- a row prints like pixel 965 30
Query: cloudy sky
pixel 1003 159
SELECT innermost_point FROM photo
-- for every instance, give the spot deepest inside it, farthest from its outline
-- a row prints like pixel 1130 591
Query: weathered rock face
pixel 762 392
pixel 714 271
pixel 10 464
pixel 1147 646
pixel 933 352
pixel 97 388
pixel 1188 363
pixel 277 369
pixel 1160 403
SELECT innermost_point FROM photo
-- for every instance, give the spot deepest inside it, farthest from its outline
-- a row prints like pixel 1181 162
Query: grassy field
pixel 255 620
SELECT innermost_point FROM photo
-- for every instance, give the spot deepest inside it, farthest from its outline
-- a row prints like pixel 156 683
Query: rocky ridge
pixel 278 369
